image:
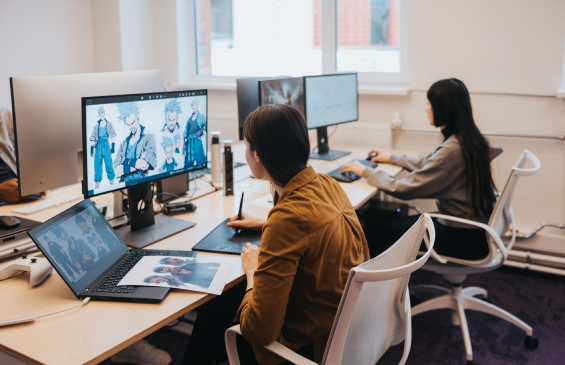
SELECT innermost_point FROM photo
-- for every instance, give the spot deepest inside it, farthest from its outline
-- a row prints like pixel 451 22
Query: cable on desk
pixel 209 182
pixel 86 300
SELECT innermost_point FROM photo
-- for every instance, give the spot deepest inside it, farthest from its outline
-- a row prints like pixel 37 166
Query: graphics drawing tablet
pixel 224 239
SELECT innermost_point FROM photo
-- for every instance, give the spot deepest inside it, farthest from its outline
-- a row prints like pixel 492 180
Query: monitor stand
pixel 324 152
pixel 145 227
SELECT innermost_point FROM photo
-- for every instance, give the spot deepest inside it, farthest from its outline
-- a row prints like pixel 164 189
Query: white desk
pixel 94 332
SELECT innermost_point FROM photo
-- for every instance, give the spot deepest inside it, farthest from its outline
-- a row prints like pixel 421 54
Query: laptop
pixel 223 239
pixel 91 258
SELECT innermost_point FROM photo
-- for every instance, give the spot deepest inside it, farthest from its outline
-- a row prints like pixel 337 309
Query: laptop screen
pixel 79 244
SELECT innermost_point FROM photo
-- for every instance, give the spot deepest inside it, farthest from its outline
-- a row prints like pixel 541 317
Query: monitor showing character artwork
pixel 289 91
pixel 134 139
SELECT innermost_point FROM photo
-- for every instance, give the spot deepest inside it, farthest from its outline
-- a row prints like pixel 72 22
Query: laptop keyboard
pixel 349 176
pixel 110 283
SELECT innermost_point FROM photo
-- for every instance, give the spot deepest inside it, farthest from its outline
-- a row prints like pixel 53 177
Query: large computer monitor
pixel 330 100
pixel 289 91
pixel 47 122
pixel 247 98
pixel 131 141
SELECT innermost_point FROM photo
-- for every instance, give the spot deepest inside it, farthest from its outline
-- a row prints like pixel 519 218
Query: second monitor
pixel 330 100
pixel 133 140
pixel 323 101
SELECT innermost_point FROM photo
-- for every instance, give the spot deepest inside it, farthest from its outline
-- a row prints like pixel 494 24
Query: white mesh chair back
pixel 502 217
pixel 499 222
pixel 374 312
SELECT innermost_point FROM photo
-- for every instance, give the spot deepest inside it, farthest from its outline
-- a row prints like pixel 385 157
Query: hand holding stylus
pixel 247 222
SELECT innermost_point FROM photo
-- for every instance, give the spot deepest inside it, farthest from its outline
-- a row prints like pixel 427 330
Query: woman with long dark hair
pixel 457 174
pixel 310 241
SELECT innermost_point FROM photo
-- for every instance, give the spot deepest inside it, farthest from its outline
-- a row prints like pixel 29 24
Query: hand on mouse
pixel 380 156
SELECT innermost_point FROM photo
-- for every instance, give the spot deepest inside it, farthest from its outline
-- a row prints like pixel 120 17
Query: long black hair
pixel 279 135
pixel 451 107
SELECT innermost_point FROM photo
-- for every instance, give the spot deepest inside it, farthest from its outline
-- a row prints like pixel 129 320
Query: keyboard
pixel 110 283
pixel 47 203
pixel 349 176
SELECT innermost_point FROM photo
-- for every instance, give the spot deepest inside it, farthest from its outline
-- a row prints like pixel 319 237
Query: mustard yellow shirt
pixel 310 242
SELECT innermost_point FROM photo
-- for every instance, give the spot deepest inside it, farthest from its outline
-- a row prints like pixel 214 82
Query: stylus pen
pixel 239 214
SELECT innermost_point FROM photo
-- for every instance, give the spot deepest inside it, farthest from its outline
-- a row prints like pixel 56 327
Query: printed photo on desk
pixel 180 273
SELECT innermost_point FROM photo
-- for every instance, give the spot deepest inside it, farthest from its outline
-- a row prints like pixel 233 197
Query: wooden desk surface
pixel 94 332
pixel 100 329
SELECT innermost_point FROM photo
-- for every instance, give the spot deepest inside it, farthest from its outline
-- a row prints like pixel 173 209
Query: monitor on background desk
pixel 330 100
pixel 289 91
pixel 47 122
pixel 247 98
pixel 133 140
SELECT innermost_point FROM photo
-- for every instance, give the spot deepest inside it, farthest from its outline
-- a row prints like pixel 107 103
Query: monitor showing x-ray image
pixel 288 91
pixel 134 139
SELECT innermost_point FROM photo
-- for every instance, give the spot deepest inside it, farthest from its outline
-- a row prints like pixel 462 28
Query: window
pixel 235 38
pixel 368 35
pixel 256 38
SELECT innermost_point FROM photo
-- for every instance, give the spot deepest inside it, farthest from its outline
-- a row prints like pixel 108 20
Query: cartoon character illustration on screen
pixel 170 261
pixel 100 149
pixel 156 279
pixel 193 147
pixel 58 253
pixel 172 111
pixel 101 228
pixel 170 164
pixel 81 255
pixel 137 153
pixel 178 142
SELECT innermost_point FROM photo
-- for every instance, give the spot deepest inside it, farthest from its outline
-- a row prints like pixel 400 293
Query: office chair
pixel 456 270
pixel 374 312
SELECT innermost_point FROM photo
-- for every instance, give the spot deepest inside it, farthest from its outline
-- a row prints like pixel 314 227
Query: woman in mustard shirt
pixel 310 241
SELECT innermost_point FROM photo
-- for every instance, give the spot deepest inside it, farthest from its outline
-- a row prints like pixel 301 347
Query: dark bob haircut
pixel 279 135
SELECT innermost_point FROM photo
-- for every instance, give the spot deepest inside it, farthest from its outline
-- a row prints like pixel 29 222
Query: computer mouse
pixel 7 222
pixel 371 156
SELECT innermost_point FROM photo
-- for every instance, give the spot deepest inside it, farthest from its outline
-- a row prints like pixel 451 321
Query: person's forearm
pixel 250 280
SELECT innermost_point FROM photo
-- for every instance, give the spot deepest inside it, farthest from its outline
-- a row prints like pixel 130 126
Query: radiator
pixel 361 134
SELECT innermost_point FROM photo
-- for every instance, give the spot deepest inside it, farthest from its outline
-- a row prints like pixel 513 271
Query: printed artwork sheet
pixel 180 273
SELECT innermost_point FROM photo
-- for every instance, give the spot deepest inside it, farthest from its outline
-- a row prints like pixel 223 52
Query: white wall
pixel 106 30
pixel 506 46
pixel 43 38
pixel 137 35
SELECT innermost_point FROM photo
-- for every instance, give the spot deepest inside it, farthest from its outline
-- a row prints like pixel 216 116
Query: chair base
pixel 459 299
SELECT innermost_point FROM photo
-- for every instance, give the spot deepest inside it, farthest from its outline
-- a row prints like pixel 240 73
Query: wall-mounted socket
pixel 397 121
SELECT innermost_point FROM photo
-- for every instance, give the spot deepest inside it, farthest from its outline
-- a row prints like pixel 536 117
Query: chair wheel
pixel 486 299
pixel 414 300
pixel 472 362
pixel 531 342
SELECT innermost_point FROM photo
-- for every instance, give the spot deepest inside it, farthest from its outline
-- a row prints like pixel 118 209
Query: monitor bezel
pixel 306 99
pixel 85 140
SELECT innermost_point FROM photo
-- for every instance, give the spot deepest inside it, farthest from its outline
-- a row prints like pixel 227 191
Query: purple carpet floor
pixel 538 299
